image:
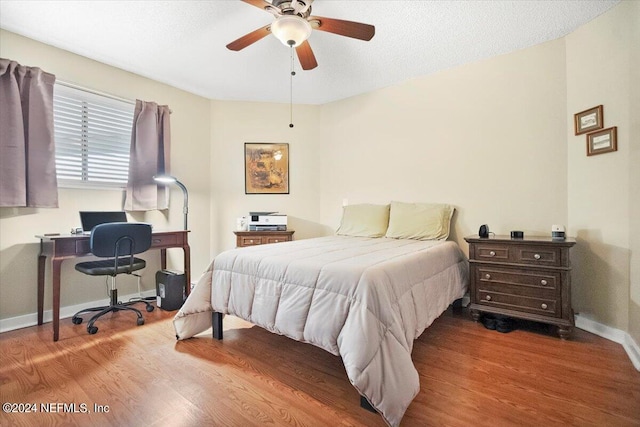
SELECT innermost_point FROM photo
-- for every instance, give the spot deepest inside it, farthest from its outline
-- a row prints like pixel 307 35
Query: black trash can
pixel 170 294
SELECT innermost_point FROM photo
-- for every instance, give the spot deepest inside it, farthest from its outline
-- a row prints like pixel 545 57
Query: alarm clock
pixel 484 231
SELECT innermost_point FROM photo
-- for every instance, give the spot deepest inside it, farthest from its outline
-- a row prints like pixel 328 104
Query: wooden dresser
pixel 528 278
pixel 252 238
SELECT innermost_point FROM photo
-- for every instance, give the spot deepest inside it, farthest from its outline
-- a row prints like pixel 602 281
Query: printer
pixel 267 221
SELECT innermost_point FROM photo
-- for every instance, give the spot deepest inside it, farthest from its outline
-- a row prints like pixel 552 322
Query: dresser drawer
pixel 536 255
pixel 536 305
pixel 277 239
pixel 518 254
pixel 492 252
pixel 250 241
pixel 253 238
pixel 535 279
pixel 163 240
pixel 518 290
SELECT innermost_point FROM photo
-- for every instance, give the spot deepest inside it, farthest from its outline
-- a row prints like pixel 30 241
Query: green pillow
pixel 364 220
pixel 420 221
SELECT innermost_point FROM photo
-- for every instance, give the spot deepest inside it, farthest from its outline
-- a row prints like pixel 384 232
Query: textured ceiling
pixel 182 43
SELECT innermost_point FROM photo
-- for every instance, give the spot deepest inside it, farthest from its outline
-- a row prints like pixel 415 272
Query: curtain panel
pixel 27 146
pixel 149 156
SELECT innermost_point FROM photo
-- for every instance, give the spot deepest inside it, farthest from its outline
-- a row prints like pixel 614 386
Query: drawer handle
pixel 543 282
pixel 492 253
pixel 537 256
pixel 276 241
pixel 157 240
pixel 487 276
pixel 250 241
pixel 544 306
pixel 488 297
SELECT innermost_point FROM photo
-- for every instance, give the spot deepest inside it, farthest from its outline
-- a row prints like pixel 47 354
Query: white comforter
pixel 364 299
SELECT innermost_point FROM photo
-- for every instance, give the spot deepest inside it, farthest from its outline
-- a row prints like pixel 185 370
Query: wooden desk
pixel 67 246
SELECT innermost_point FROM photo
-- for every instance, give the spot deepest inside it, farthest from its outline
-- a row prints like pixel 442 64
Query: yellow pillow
pixel 364 220
pixel 420 221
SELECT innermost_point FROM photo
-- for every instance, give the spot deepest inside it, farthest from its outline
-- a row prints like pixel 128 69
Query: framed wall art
pixel 603 141
pixel 266 168
pixel 589 120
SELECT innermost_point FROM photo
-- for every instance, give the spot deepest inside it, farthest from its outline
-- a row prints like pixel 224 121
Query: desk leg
pixel 187 269
pixel 163 259
pixel 42 259
pixel 56 264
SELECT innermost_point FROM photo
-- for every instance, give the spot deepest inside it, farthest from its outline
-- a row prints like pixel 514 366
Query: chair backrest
pixel 130 238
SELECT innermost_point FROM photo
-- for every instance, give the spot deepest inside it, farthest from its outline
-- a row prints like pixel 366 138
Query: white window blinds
pixel 93 136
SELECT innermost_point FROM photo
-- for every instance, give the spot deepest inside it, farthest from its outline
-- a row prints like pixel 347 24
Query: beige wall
pixel 233 124
pixel 190 123
pixel 634 174
pixel 495 138
pixel 601 193
pixel 487 137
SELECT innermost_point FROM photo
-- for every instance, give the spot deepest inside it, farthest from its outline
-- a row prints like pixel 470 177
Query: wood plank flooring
pixel 469 376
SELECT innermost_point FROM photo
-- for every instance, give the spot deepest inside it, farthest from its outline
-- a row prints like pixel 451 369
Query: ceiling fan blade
pixel 351 29
pixel 306 57
pixel 250 38
pixel 260 4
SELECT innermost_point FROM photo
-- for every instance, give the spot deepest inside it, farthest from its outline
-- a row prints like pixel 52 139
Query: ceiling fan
pixel 293 24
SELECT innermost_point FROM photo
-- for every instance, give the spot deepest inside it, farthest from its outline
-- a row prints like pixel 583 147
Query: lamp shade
pixel 291 30
pixel 165 179
pixel 168 179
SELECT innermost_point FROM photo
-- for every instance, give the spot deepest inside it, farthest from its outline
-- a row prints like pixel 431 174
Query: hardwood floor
pixel 469 376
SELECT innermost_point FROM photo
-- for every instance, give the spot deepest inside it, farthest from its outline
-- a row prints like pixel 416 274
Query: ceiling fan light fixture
pixel 291 30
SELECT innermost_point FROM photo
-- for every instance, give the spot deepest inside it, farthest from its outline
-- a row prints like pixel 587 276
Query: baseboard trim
pixel 27 320
pixel 612 334
pixel 633 351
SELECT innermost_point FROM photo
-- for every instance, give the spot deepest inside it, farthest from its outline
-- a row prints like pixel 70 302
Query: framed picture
pixel 266 168
pixel 602 141
pixel 589 120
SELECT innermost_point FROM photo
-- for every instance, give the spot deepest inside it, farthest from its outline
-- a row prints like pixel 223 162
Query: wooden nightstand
pixel 252 238
pixel 527 278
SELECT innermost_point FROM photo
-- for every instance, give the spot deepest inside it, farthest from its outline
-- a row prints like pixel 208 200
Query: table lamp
pixel 168 179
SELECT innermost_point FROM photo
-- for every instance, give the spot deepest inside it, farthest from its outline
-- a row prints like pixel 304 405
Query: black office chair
pixel 119 241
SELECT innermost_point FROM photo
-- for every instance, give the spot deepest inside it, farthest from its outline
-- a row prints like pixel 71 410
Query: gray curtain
pixel 27 147
pixel 150 143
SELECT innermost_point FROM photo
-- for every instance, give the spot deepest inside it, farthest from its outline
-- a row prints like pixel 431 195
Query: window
pixel 93 136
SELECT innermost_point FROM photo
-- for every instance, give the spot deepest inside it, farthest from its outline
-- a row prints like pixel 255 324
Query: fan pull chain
pixel 293 73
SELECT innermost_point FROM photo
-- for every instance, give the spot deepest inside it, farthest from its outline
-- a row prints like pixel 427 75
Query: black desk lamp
pixel 168 179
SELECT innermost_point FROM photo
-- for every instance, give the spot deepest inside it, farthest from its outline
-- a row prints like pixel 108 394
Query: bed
pixel 365 299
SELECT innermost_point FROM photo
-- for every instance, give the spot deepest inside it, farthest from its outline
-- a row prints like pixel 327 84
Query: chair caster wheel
pixel 92 329
pixel 140 322
pixel 76 320
pixel 150 308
